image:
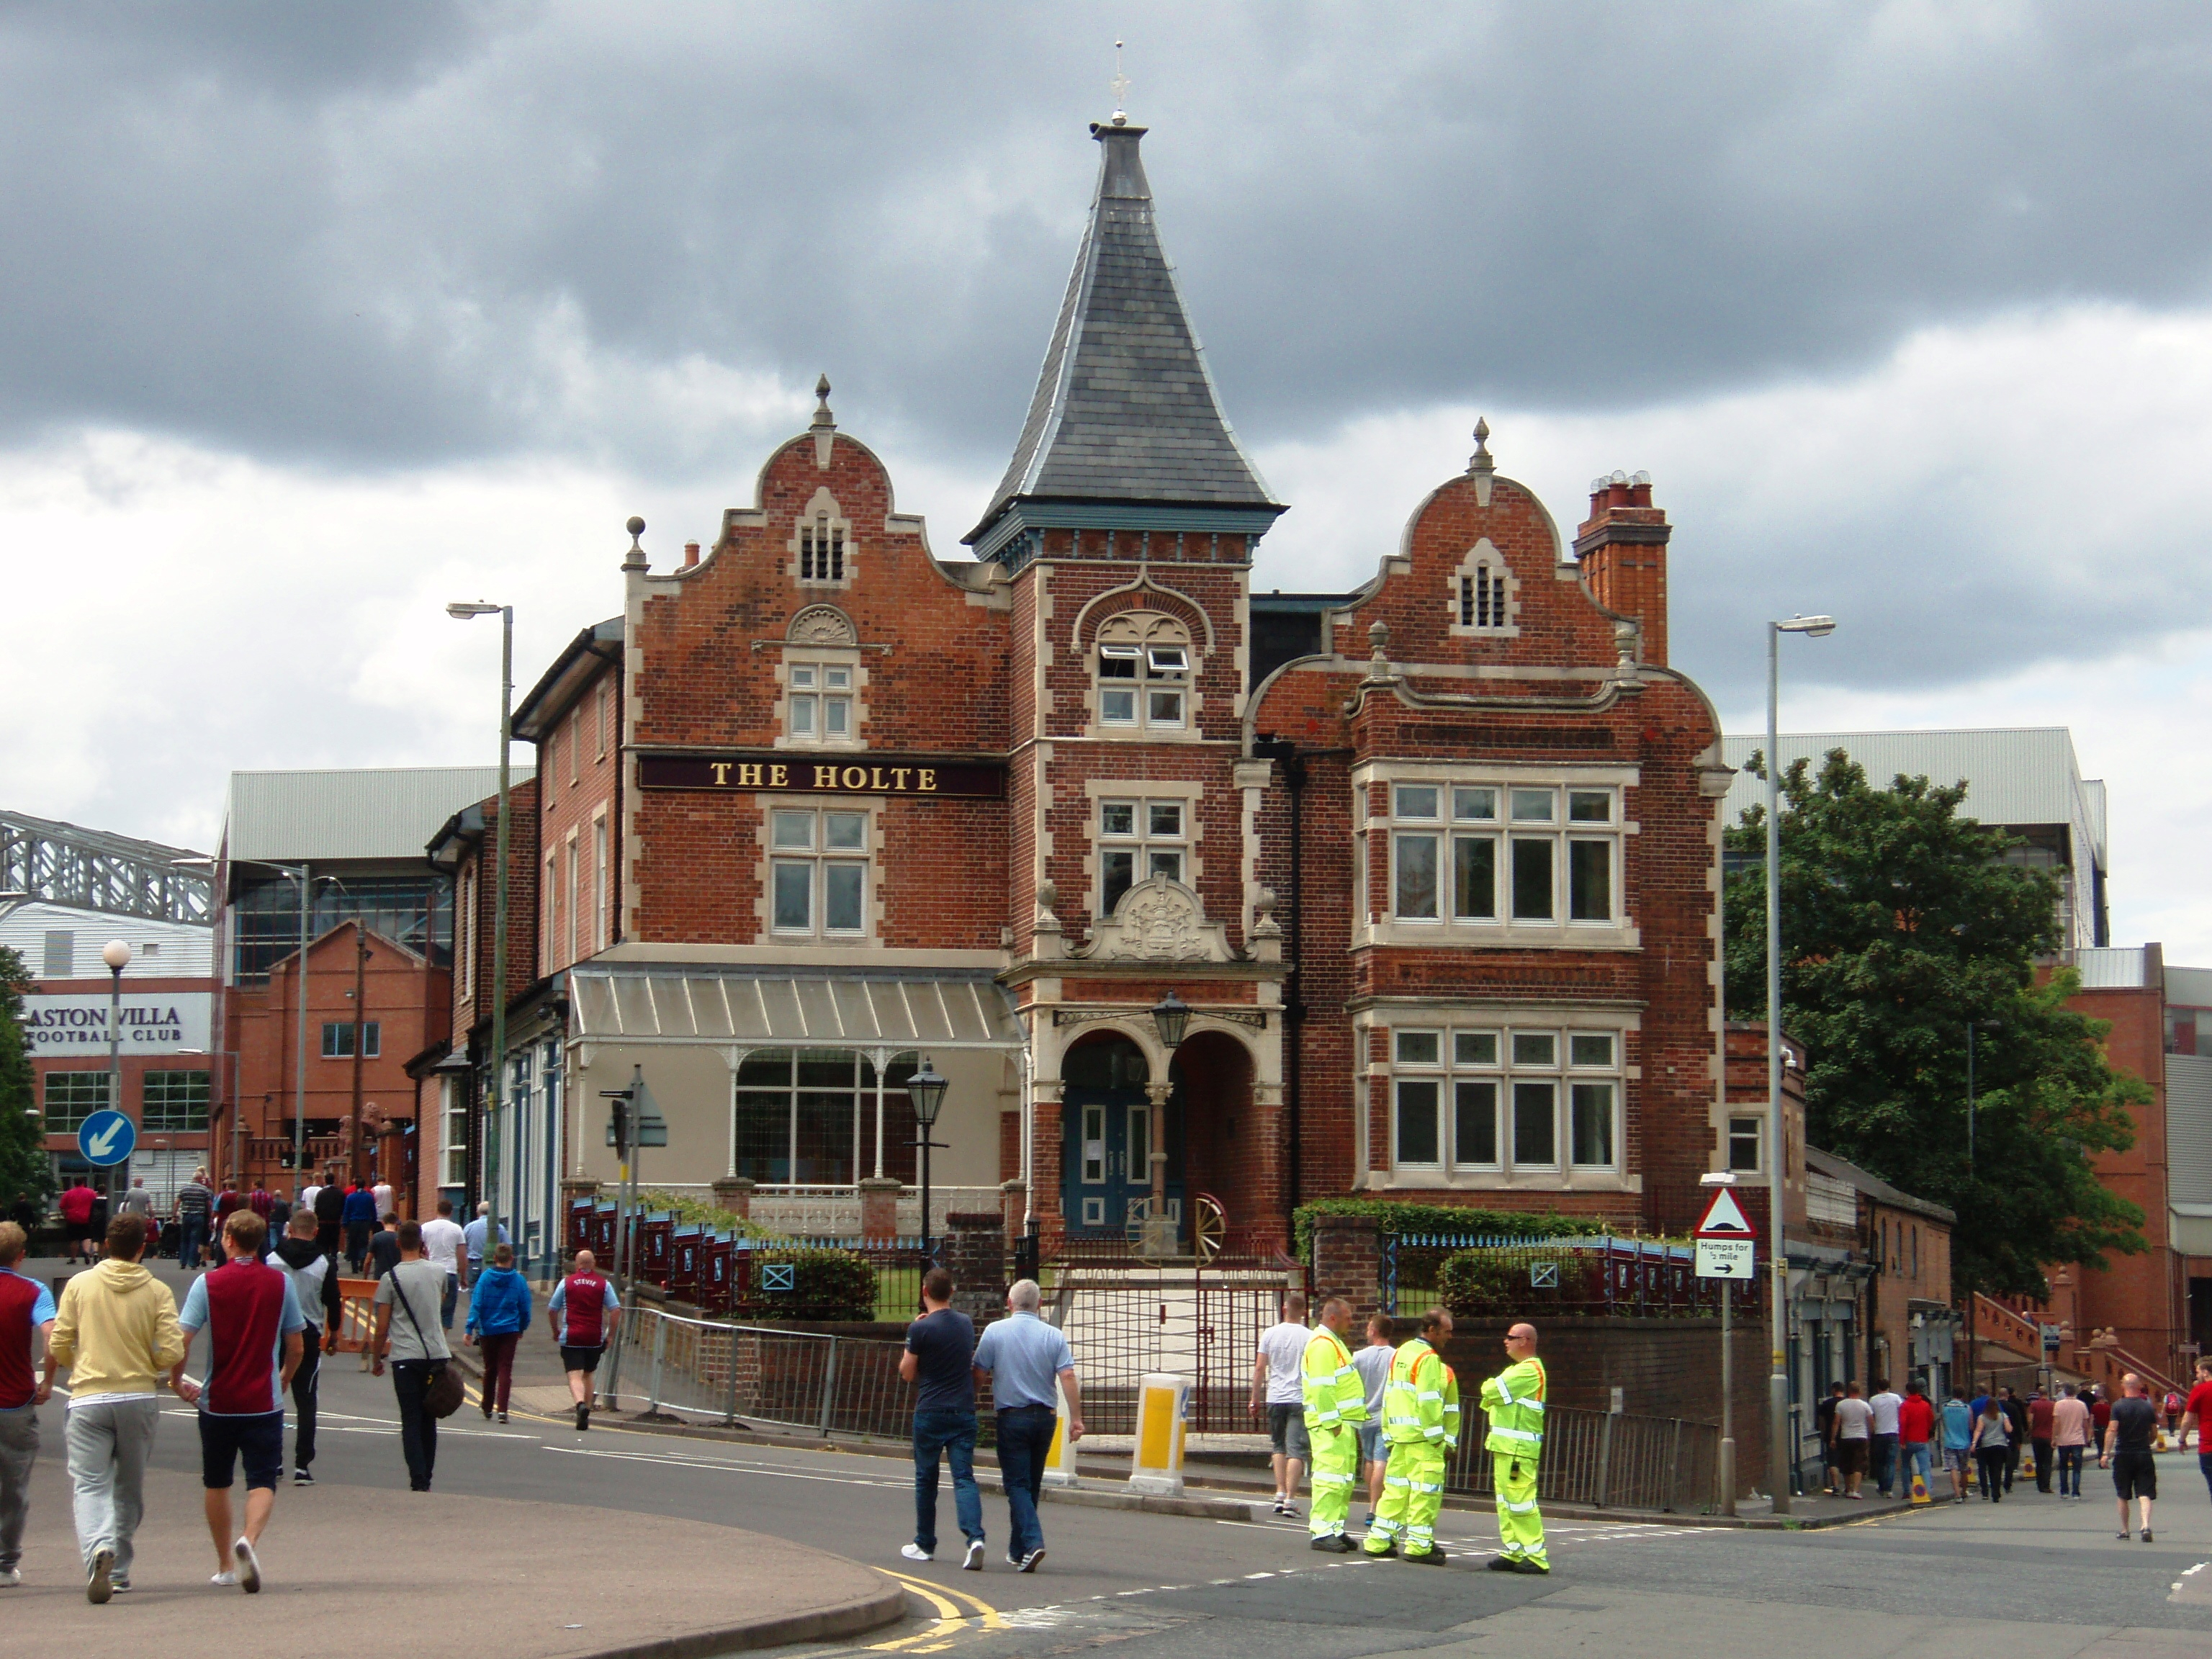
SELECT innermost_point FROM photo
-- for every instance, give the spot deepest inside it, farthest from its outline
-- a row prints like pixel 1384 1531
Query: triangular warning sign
pixel 1725 1218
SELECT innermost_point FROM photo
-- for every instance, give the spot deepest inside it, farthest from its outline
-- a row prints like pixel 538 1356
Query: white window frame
pixel 1483 595
pixel 1434 825
pixel 827 853
pixel 1161 686
pixel 1431 1060
pixel 1146 842
pixel 599 838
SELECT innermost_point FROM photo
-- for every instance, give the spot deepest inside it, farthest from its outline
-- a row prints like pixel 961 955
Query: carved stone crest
pixel 822 624
pixel 1159 921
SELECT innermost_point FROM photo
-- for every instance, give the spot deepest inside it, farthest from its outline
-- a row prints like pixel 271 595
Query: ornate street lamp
pixel 926 1089
pixel 1171 1016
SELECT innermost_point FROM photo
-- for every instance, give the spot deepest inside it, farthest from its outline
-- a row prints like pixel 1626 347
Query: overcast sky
pixel 318 316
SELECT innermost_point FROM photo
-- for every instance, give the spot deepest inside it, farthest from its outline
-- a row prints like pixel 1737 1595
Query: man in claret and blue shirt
pixel 253 1319
pixel 26 1315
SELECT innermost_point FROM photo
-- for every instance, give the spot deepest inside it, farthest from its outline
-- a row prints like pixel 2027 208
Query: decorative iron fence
pixel 1122 1325
pixel 1596 1275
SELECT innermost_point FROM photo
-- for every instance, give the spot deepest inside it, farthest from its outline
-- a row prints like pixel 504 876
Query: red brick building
pixel 1432 865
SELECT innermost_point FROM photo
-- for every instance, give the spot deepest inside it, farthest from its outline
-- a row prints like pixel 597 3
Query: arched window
pixel 1143 671
pixel 1484 596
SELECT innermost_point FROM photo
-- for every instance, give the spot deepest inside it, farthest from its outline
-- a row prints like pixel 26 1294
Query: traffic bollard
pixel 1155 1470
pixel 1059 1460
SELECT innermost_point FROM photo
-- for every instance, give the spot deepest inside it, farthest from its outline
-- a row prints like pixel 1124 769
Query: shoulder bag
pixel 441 1394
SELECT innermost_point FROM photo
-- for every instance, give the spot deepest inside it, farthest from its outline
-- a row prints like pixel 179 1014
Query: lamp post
pixel 1170 1018
pixel 1783 1452
pixel 926 1089
pixel 1973 1295
pixel 465 610
pixel 117 955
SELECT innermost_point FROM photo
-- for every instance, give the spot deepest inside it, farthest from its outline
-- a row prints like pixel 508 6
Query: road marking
pixel 724 1468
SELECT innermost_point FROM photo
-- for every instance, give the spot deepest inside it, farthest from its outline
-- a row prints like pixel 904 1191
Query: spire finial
pixel 1481 461
pixel 1119 84
pixel 822 415
pixel 635 559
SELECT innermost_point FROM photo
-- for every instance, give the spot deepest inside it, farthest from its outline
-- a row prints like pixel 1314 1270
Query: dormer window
pixel 1485 597
pixel 821 551
pixel 1144 674
pixel 1482 598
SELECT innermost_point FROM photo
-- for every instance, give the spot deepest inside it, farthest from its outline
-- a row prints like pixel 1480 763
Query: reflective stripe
pixel 1515 1434
pixel 1517 1509
pixel 1428 1485
pixel 1395 1480
pixel 1432 1434
pixel 1536 1406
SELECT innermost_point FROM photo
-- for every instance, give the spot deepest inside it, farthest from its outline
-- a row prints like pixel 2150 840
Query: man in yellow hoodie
pixel 116 1332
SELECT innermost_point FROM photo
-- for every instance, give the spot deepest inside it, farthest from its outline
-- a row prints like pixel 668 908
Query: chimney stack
pixel 1623 549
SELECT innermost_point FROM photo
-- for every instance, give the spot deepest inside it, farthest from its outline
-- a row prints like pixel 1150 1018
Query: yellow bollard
pixel 1059 1460
pixel 1156 1468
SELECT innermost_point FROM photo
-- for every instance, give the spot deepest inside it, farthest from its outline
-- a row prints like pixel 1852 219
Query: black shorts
pixel 2134 1474
pixel 1850 1456
pixel 580 1359
pixel 259 1440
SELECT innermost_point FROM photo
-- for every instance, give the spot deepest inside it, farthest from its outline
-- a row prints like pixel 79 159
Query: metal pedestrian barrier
pixel 1607 1459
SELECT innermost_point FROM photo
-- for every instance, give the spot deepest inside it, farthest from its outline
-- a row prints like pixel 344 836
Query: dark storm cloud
pixel 371 236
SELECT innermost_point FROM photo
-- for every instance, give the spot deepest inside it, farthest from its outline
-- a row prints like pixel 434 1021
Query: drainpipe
pixel 1286 755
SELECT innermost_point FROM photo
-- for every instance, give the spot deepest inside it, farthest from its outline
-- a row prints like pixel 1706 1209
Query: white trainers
pixel 225 1580
pixel 975 1561
pixel 9 1578
pixel 916 1552
pixel 249 1565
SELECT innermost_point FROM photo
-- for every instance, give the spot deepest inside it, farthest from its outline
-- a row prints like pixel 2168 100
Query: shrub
pixel 1480 1284
pixel 830 1284
pixel 1417 1220
pixel 696 1212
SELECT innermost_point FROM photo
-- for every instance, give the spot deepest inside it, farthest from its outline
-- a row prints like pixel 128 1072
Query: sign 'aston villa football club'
pixel 780 773
pixel 154 1023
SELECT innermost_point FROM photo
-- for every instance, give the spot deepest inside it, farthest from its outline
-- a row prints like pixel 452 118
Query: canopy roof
pixel 649 1003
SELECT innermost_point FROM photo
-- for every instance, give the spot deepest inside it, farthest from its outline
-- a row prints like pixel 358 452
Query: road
pixel 2031 1577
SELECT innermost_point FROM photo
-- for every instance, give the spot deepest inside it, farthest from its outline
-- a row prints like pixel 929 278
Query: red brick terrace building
pixel 1433 865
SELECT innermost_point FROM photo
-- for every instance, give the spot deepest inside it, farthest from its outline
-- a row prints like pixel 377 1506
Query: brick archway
pixel 1228 1151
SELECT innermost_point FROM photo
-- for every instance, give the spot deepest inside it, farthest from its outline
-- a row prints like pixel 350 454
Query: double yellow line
pixel 951 1617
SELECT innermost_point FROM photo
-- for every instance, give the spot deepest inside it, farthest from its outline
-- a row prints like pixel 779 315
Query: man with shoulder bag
pixel 414 1343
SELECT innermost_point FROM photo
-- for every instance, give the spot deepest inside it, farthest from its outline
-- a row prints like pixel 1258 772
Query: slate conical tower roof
pixel 1125 414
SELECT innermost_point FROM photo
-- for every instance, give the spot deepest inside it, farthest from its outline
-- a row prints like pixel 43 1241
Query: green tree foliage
pixel 1901 922
pixel 23 1164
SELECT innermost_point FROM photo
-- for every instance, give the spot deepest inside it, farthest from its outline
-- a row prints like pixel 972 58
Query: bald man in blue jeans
pixel 1021 1358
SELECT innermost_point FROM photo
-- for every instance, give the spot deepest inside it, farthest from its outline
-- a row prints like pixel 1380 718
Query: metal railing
pixel 1595 1275
pixel 808 1381
pixel 1606 1459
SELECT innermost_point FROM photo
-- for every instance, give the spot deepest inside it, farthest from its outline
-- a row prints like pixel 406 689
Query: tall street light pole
pixel 117 955
pixel 1777 1397
pixel 465 610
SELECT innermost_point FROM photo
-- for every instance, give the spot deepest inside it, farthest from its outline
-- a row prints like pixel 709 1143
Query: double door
pixel 1106 1168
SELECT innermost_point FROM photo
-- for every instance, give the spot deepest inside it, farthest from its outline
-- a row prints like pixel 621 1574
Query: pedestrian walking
pixel 77 1207
pixel 1992 1449
pixel 1916 1430
pixel 2042 1417
pixel 1823 1418
pixel 1854 1438
pixel 941 1359
pixel 194 1206
pixel 384 1249
pixel 1881 1435
pixel 2196 1413
pixel 499 1313
pixel 1374 1364
pixel 27 1316
pixel 261 1201
pixel 2100 1410
pixel 2071 1429
pixel 359 1214
pixel 1023 1358
pixel 254 1345
pixel 228 1202
pixel 1277 1392
pixel 1420 1422
pixel 2127 1450
pixel 2015 1412
pixel 330 1217
pixel 381 1194
pixel 315 1292
pixel 116 1332
pixel 136 1200
pixel 1335 1406
pixel 1958 1428
pixel 585 1312
pixel 411 1341
pixel 473 1235
pixel 443 1242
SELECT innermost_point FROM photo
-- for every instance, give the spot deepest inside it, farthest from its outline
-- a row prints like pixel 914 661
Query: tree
pixel 1901 922
pixel 23 1165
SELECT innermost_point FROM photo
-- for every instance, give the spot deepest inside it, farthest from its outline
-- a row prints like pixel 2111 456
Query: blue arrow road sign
pixel 106 1138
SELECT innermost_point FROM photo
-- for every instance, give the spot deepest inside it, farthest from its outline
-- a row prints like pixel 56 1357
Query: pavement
pixel 551 1583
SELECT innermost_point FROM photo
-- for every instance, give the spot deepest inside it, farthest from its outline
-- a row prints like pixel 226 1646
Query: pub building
pixel 1207 902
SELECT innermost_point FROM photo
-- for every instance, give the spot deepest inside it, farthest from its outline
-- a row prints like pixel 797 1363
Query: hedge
pixel 830 1284
pixel 1451 1219
pixel 1476 1283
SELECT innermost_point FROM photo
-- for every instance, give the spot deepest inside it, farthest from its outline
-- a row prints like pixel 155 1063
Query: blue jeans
pixel 1882 1454
pixel 1024 1442
pixel 2070 1470
pixel 452 1299
pixel 191 1233
pixel 2204 1460
pixel 1915 1460
pixel 952 1433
